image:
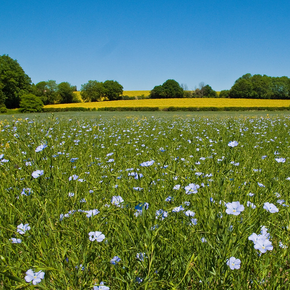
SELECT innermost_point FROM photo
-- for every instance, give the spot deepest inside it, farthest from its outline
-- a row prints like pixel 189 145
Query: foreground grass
pixel 181 239
pixel 165 103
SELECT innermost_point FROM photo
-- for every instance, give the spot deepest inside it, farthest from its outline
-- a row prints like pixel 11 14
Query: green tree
pixel 172 89
pixel 65 92
pixel 157 93
pixel 92 91
pixel 208 92
pixel 280 87
pixel 242 88
pixel 224 94
pixel 261 87
pixel 14 82
pixel 51 92
pixel 169 89
pixel 113 90
pixel 30 103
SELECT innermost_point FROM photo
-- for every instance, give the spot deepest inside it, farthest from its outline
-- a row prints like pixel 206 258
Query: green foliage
pixel 113 90
pixel 261 87
pixel 65 92
pixel 205 91
pixel 224 94
pixel 13 82
pixel 30 103
pixel 92 91
pixel 169 89
pixel 3 108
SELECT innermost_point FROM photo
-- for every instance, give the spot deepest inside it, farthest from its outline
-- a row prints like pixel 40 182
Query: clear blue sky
pixel 141 44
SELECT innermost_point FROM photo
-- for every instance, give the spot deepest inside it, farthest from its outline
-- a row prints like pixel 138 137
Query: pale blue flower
pixel 73 177
pixel 115 260
pixel 263 244
pixel 34 277
pixel 234 263
pixel 26 191
pixel 161 213
pixel 270 207
pixel 147 163
pixel 40 147
pixel 178 209
pixel 141 256
pixel 15 241
pixel 234 208
pixel 250 204
pixel 21 229
pixel 90 213
pixel 117 200
pixel 189 213
pixel 282 246
pixel 169 198
pixel 191 188
pixel 37 173
pixel 280 160
pixel 233 144
pixel 99 236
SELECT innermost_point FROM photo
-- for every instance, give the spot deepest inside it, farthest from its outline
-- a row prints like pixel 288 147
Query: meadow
pixel 144 201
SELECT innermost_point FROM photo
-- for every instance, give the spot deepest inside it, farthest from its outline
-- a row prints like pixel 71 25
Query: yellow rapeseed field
pixel 165 103
pixel 136 93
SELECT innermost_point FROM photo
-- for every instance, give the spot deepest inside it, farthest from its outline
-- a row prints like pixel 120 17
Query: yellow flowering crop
pixel 165 103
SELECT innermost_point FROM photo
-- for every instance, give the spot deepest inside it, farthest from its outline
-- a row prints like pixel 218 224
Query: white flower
pixel 280 160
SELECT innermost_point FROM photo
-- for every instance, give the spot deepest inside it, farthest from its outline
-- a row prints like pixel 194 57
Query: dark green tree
pixel 242 88
pixel 172 89
pixel 92 91
pixel 169 89
pixel 14 82
pixel 113 90
pixel 30 103
pixel 208 92
pixel 65 92
pixel 280 87
pixel 157 93
pixel 224 94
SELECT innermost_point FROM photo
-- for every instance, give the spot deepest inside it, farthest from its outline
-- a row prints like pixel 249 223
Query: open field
pixel 165 103
pixel 154 200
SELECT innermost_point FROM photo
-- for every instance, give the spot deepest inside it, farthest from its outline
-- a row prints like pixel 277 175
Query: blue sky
pixel 141 44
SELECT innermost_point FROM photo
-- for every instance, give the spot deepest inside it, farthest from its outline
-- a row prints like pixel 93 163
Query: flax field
pixel 145 202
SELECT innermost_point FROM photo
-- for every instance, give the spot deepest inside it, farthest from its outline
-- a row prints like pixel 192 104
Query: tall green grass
pixel 89 161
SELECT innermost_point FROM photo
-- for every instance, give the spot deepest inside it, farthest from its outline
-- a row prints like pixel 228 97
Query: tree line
pixel 17 89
